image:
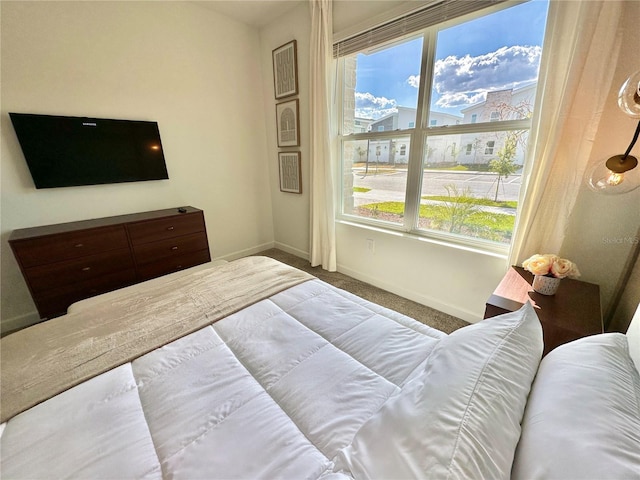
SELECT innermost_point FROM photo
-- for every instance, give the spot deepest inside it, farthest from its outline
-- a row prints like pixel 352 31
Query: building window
pixel 489 148
pixel 381 128
pixel 430 187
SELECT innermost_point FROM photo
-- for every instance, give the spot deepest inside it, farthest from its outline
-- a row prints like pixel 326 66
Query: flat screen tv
pixel 72 151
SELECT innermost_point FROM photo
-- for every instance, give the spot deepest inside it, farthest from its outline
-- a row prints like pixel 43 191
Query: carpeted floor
pixel 433 318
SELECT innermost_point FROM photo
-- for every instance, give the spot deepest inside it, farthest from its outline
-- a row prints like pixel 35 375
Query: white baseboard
pixel 467 315
pixel 292 250
pixel 246 252
pixel 262 247
pixel 456 311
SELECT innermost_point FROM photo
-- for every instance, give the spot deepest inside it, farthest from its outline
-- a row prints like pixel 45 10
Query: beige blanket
pixel 46 359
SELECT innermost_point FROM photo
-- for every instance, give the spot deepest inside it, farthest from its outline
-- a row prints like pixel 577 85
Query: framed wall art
pixel 290 172
pixel 285 70
pixel 288 123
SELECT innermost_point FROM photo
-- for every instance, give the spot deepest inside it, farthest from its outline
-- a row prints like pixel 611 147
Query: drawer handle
pixel 174 248
pixel 170 228
pixel 79 245
pixel 86 269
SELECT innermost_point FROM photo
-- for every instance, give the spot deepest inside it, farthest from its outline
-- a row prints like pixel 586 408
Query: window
pixel 453 105
pixel 489 148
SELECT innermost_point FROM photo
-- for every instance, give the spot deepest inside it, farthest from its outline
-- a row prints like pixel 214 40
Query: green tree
pixel 361 153
pixel 477 145
pixel 505 164
pixel 454 151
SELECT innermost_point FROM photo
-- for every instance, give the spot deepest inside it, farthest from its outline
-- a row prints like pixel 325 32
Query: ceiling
pixel 257 13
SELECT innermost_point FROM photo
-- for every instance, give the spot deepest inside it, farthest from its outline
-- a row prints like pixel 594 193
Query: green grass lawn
pixel 479 224
pixel 478 201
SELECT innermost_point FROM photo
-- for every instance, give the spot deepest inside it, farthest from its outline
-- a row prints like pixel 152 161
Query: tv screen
pixel 71 151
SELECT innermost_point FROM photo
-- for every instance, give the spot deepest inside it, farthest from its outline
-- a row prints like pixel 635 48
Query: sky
pixel 494 52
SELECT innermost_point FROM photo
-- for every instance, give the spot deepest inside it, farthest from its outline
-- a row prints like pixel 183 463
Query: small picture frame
pixel 288 123
pixel 285 70
pixel 290 172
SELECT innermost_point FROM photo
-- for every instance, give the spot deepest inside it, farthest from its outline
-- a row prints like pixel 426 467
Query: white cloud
pixel 370 106
pixel 414 81
pixel 461 80
pixel 464 81
pixel 460 100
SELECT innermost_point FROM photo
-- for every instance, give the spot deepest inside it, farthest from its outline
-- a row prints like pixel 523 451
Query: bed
pixel 254 369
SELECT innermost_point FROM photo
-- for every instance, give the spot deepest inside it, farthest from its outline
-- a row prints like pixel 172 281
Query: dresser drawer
pixel 46 277
pixel 66 262
pixel 172 264
pixel 65 246
pixel 55 302
pixel 172 247
pixel 174 226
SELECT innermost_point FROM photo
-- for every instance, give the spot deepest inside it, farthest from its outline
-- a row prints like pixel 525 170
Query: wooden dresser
pixel 68 262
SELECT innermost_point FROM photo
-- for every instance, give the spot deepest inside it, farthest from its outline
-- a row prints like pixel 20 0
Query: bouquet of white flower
pixel 551 265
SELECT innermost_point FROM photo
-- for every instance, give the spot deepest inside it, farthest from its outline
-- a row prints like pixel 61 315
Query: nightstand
pixel 573 312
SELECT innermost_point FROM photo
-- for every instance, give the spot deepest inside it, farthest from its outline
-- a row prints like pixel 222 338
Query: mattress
pixel 272 391
pixel 254 369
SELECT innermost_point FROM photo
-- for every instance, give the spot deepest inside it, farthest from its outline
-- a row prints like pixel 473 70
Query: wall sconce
pixel 620 173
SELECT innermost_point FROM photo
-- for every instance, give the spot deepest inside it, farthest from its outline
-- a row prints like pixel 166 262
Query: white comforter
pixel 273 391
pixel 314 382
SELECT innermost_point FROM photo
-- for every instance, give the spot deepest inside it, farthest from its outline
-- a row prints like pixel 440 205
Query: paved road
pixel 389 185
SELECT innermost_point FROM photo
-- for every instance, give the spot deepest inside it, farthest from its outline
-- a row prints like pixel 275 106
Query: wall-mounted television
pixel 70 151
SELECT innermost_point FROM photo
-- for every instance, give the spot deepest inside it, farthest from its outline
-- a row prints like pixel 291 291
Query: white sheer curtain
pixel 323 241
pixel 581 51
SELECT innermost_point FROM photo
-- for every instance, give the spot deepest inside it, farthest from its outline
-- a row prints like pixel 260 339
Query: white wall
pixel 195 72
pixel 290 211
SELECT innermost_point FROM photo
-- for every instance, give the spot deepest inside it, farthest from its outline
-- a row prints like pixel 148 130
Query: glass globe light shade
pixel 621 174
pixel 618 175
pixel 629 96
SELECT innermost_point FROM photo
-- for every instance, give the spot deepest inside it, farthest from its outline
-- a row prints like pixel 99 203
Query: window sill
pixel 478 247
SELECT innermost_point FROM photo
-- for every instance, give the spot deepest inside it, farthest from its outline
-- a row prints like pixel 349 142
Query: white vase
pixel 546 285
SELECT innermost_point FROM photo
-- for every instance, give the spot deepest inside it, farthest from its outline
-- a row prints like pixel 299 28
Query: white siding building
pixel 396 151
pixel 500 105
pixel 470 149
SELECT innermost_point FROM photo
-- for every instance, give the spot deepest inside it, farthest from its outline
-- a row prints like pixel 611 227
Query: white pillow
pixel 461 417
pixel 583 415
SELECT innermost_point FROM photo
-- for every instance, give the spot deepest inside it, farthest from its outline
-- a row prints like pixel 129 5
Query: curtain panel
pixel 322 199
pixel 581 50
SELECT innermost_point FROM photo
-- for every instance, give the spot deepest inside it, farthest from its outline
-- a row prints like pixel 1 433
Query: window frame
pixel 418 136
